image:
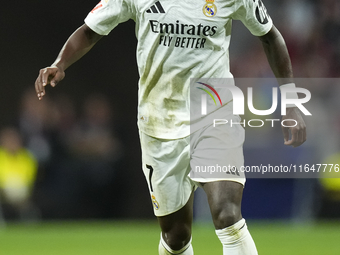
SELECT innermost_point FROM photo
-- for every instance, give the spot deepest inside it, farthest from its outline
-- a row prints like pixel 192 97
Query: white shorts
pixel 175 168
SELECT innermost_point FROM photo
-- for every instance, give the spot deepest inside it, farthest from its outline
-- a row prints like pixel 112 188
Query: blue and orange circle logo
pixel 209 9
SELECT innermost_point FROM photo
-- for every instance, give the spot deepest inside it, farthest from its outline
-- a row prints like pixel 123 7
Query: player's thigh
pixel 224 198
pixel 177 225
pixel 217 153
pixel 166 165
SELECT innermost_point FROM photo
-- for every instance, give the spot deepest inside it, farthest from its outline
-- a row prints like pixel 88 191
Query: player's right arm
pixel 77 45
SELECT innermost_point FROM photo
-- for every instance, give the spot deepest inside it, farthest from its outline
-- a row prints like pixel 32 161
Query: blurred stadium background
pixel 84 191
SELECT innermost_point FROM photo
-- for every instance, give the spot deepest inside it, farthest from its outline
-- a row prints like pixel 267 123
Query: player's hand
pixel 298 133
pixel 49 75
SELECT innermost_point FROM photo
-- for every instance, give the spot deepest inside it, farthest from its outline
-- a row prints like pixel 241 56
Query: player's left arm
pixel 279 61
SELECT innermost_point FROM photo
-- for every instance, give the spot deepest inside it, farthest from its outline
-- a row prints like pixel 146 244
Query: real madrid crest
pixel 209 9
pixel 154 202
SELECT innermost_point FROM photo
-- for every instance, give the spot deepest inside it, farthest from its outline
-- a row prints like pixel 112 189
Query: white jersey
pixel 177 41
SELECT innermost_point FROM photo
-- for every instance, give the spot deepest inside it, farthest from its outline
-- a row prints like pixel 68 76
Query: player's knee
pixel 226 216
pixel 176 239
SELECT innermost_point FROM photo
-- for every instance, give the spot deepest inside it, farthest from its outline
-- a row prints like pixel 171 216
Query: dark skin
pixel 224 197
pixel 279 61
pixel 79 43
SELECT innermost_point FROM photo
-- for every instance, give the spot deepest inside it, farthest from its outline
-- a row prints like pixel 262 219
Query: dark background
pixel 32 34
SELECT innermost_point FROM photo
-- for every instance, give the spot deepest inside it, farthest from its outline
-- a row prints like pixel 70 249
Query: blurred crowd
pixel 72 158
pixel 59 160
pixel 311 29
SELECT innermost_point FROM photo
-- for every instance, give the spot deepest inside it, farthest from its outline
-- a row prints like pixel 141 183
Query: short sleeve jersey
pixel 177 41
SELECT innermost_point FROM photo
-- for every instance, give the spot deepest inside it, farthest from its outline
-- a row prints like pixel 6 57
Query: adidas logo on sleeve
pixel 156 8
